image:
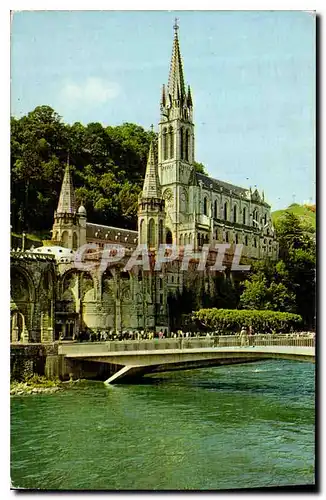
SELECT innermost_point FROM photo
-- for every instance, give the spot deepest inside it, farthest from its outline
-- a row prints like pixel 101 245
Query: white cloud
pixel 91 91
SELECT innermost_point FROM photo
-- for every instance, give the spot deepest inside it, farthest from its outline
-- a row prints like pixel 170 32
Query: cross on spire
pixel 176 26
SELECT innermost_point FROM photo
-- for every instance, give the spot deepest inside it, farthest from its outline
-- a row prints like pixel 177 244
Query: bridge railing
pixel 199 342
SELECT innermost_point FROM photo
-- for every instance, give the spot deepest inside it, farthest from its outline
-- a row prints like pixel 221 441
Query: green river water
pixel 239 426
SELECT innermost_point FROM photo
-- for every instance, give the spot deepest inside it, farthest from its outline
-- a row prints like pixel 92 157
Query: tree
pixel 200 168
pixel 108 166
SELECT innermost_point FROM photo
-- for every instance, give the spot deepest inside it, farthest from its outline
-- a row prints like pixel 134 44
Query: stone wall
pixel 27 360
pixel 41 359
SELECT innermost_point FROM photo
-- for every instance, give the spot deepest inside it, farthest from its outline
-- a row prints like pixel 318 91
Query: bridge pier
pixel 128 372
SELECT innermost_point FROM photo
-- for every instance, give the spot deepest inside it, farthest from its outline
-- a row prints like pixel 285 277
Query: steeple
pixel 152 187
pixel 151 205
pixel 176 86
pixel 67 201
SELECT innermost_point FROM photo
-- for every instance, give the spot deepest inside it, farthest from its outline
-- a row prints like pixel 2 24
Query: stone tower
pixel 69 228
pixel 151 206
pixel 176 145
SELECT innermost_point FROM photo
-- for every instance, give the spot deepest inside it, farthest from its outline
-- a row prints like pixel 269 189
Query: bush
pixel 232 320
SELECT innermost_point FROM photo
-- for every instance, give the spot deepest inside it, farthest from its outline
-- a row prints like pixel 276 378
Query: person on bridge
pixel 243 336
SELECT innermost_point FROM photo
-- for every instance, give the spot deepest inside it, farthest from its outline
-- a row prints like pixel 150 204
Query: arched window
pixel 151 233
pixel 265 219
pixel 215 209
pixel 246 240
pixel 205 205
pixel 255 243
pixel 171 142
pixel 165 144
pixel 227 236
pixel 226 210
pixel 64 239
pixel 187 146
pixel 244 215
pixel 160 231
pixel 181 143
pixel 168 237
pixel 236 238
pixel 235 213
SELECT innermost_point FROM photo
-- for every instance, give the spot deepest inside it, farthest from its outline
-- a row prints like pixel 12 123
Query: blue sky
pixel 252 76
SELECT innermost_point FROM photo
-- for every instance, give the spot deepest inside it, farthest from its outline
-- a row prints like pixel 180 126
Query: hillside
pixel 306 213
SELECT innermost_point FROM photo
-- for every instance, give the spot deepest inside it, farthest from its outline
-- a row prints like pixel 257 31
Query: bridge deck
pixel 135 358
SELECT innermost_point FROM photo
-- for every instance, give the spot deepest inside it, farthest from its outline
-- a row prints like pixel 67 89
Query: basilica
pixel 51 297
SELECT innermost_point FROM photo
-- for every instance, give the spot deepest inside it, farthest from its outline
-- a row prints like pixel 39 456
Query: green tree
pixel 199 167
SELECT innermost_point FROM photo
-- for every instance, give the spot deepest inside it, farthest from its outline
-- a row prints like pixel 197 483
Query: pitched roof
pixel 217 184
pixel 110 233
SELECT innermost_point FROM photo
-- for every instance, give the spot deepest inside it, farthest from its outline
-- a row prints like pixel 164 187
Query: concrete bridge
pixel 132 359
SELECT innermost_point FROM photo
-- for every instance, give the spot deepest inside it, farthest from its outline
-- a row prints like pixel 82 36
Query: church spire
pixel 67 201
pixel 176 86
pixel 152 187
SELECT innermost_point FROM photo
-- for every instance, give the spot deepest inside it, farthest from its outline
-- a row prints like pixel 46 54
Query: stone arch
pixel 17 326
pixel 22 299
pixel 87 287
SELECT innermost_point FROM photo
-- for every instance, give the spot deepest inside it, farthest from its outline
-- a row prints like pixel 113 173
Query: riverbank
pixel 37 385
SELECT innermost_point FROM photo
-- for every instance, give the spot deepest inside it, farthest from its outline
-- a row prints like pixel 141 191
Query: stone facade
pixel 52 297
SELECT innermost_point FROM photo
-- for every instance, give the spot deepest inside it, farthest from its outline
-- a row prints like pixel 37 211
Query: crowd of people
pixel 246 335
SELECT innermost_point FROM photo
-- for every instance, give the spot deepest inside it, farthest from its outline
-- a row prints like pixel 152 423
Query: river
pixel 229 427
